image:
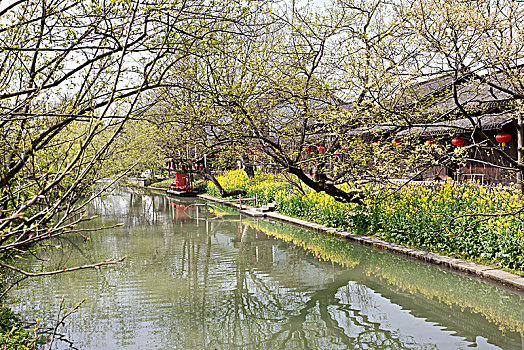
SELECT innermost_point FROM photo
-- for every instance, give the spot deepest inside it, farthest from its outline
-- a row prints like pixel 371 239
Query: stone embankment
pixel 482 271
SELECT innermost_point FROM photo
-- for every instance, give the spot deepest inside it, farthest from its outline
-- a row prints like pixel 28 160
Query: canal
pixel 200 276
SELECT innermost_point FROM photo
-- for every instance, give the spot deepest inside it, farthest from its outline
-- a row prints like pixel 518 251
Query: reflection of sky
pixel 360 307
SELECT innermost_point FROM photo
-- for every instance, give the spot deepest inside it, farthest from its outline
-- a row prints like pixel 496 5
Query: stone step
pixel 253 213
pixel 267 207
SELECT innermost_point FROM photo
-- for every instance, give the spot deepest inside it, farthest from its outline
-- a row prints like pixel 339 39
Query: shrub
pixel 452 218
pixel 12 335
pixel 163 184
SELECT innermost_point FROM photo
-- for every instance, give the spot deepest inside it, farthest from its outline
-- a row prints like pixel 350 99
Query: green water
pixel 204 277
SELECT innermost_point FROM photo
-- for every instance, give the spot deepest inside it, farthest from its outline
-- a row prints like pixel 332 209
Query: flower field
pixel 470 220
pixel 467 221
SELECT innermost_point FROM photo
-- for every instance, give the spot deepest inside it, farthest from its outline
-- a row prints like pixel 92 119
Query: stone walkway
pixel 486 272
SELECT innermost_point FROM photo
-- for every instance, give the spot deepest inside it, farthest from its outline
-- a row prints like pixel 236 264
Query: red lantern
pixel 396 143
pixel 458 141
pixel 322 149
pixel 503 138
pixel 376 144
pixel 429 142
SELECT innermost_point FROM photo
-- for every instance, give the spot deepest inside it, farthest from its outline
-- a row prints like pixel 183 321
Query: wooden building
pixel 483 163
pixel 478 111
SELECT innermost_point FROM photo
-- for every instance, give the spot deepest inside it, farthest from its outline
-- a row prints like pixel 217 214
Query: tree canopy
pixel 291 87
pixel 308 90
pixel 73 74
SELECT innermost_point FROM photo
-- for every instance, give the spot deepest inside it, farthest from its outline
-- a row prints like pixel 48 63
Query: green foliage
pixel 7 319
pixel 265 186
pixel 12 334
pixel 200 186
pixel 304 203
pixel 137 147
pixel 468 221
pixel 163 184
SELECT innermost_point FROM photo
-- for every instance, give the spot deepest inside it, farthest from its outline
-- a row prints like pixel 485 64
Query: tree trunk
pixel 248 167
pixel 520 151
pixel 223 192
pixel 321 185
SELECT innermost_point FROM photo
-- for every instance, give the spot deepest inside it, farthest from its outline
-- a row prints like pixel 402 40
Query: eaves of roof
pixel 484 122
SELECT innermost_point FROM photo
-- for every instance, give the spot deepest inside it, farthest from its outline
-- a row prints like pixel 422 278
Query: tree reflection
pixel 260 311
pixel 202 277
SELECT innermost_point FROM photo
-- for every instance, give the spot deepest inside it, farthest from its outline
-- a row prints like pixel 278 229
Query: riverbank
pixel 405 222
pixel 467 221
pixel 486 272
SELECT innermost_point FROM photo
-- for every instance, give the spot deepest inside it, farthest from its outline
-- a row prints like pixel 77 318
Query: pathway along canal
pixel 203 277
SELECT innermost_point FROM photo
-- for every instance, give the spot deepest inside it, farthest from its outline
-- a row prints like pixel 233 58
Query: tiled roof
pixel 485 122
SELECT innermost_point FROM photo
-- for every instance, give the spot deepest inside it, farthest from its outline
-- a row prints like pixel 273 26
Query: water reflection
pixel 203 277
